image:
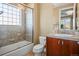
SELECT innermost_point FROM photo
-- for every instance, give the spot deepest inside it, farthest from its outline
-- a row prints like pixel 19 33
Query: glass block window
pixel 9 15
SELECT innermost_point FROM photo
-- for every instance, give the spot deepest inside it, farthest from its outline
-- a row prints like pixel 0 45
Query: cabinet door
pixel 74 45
pixel 65 47
pixel 53 47
pixel 49 43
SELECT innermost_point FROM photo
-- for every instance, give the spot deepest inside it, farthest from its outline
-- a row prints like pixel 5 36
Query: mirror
pixel 66 18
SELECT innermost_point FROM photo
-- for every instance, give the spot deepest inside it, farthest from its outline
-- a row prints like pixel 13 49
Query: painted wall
pixel 36 24
pixel 49 16
pixel 45 16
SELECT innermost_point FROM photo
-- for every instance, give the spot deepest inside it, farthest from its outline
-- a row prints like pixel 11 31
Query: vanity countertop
pixel 62 36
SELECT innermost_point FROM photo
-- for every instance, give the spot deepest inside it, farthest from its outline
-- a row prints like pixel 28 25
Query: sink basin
pixel 63 35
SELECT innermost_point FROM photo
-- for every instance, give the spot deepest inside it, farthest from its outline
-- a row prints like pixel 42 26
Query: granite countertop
pixel 70 37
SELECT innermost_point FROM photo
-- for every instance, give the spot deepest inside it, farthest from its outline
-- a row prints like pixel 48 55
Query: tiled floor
pixel 30 53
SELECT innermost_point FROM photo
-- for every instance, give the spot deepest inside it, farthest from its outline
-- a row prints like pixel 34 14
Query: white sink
pixel 63 35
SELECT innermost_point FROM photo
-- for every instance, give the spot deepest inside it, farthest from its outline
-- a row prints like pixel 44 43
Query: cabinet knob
pixel 62 42
pixel 77 42
pixel 58 42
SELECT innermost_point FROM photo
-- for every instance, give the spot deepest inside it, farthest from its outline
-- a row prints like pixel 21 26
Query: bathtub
pixel 16 49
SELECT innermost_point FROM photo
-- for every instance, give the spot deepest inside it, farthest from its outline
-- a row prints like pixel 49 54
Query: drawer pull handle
pixel 77 42
pixel 62 42
pixel 58 42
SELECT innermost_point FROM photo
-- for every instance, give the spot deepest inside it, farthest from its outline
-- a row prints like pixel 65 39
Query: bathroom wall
pixel 11 33
pixel 49 16
pixel 36 23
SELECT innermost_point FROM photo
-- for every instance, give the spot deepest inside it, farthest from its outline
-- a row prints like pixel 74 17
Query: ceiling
pixel 62 4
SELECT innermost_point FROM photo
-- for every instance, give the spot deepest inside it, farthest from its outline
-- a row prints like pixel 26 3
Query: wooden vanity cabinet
pixel 53 47
pixel 61 47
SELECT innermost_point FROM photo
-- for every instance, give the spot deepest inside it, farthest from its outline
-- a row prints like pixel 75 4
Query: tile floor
pixel 30 53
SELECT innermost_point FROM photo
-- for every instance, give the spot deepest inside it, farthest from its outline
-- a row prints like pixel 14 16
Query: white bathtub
pixel 16 49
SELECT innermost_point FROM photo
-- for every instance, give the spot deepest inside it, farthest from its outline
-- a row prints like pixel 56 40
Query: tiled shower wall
pixel 10 34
